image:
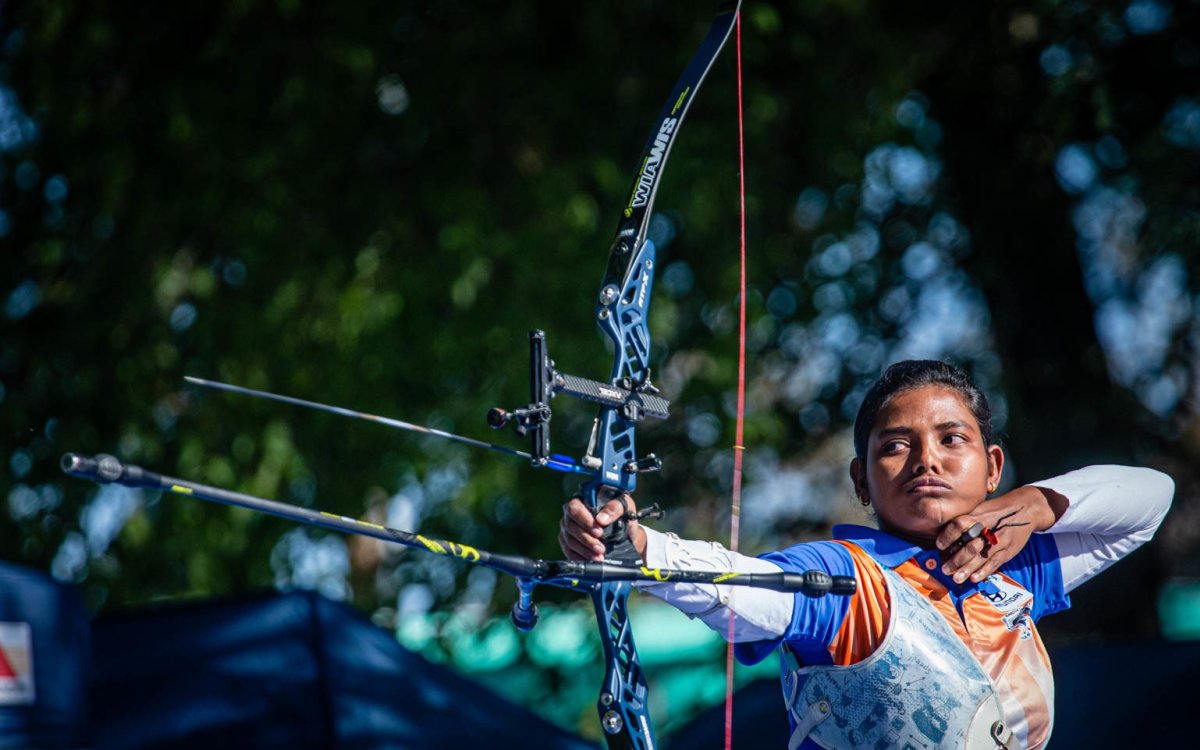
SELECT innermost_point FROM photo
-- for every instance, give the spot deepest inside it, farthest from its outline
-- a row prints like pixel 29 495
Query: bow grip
pixel 618 547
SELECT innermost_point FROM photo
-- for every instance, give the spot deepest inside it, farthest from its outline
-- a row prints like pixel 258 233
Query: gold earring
pixel 865 499
pixel 991 487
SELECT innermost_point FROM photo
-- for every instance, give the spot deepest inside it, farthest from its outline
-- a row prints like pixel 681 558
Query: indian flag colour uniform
pixel 994 618
pixel 1112 510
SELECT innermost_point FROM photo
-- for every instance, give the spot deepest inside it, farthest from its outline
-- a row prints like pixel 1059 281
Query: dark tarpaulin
pixel 292 671
pixel 44 654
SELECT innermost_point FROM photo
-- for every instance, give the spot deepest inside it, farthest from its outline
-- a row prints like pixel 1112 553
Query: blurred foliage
pixel 368 205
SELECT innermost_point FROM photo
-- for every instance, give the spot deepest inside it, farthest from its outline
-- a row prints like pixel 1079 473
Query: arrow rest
pixel 618 546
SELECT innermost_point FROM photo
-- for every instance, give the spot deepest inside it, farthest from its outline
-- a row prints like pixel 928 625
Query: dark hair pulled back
pixel 919 373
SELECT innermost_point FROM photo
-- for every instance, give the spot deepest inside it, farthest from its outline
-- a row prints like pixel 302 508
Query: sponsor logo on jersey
pixel 1014 603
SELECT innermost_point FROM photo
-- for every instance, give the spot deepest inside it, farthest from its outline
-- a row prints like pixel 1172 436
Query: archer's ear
pixel 858 475
pixel 995 463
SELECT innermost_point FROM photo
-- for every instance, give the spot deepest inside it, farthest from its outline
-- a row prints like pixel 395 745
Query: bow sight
pixel 633 400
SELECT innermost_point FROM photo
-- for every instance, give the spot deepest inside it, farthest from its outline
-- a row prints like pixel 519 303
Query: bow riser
pixel 624 714
pixel 622 313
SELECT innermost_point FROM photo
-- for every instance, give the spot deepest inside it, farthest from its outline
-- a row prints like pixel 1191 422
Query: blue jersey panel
pixel 815 621
pixel 1037 568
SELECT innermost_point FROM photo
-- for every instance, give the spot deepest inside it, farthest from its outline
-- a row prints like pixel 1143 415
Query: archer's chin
pixel 930 512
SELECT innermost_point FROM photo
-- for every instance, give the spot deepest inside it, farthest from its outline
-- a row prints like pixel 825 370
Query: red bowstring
pixel 738 446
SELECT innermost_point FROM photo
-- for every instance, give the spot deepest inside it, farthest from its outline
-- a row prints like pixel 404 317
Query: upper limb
pixel 759 614
pixel 1096 515
pixel 1111 511
pixel 761 618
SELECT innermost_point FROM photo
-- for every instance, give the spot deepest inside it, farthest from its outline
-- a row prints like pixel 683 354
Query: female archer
pixel 938 647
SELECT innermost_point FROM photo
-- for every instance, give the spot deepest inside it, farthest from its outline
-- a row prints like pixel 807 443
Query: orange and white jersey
pixel 1112 510
pixel 994 618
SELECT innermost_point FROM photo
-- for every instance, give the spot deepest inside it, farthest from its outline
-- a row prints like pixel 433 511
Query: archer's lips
pixel 927 485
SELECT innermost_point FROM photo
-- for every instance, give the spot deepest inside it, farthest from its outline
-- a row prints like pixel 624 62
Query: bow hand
pixel 612 534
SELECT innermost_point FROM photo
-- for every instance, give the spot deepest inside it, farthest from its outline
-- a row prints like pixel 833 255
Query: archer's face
pixel 926 463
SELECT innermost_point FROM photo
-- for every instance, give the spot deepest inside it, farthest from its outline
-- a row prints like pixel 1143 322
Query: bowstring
pixel 738 442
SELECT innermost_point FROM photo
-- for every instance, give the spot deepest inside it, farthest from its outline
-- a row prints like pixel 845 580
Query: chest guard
pixel 922 688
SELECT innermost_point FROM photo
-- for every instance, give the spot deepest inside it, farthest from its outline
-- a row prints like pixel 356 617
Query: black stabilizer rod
pixel 107 469
pixel 813 583
pixel 111 470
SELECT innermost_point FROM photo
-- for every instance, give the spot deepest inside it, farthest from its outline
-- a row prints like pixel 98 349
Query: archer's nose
pixel 926 459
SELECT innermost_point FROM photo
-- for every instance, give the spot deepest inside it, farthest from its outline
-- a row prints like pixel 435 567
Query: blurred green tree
pixel 369 205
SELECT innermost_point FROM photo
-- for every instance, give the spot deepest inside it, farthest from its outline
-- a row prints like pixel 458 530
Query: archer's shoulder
pixel 830 556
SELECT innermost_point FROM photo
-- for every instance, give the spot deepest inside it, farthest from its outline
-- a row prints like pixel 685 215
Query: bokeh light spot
pixel 22 300
pixel 1147 16
pixel 1055 60
pixel 183 317
pixel 392 95
pixel 1074 168
pixel 1182 123
pixel 810 208
pixel 20 462
pixel 56 188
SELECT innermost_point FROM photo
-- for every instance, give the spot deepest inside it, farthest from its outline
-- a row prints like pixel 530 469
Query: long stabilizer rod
pixel 565 573
pixel 561 463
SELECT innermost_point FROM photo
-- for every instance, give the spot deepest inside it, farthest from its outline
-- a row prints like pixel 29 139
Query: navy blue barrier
pixel 294 671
